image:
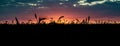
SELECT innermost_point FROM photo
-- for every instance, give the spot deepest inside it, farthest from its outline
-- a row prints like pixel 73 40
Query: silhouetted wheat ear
pixel 89 18
pixel 30 21
pixel 77 21
pixel 6 22
pixel 17 22
pixel 51 20
pixel 35 16
pixel 84 21
pixel 40 19
pixel 61 17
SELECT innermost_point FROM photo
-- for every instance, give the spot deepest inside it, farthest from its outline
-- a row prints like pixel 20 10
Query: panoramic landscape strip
pixel 60 20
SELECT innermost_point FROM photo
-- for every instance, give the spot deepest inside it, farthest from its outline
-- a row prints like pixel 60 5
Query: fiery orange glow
pixel 70 16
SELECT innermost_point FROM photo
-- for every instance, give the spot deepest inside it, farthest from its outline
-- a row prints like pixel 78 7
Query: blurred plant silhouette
pixel 36 16
pixel 12 21
pixel 17 22
pixel 41 19
pixel 62 20
pixel 30 21
pixel 6 22
pixel 59 19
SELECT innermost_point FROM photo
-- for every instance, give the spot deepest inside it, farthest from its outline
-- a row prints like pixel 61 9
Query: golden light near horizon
pixel 67 18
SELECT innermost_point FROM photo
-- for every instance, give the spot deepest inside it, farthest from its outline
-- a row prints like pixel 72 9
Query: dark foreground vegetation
pixel 73 30
pixel 62 32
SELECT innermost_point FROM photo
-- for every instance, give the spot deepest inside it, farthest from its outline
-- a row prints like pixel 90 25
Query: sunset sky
pixel 25 9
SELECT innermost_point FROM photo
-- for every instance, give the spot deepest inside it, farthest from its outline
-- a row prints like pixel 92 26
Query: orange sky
pixel 69 13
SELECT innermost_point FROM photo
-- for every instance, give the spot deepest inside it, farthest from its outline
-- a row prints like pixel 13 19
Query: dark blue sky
pixel 25 9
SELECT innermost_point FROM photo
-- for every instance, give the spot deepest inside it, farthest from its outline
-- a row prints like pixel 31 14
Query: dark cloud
pixel 13 7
